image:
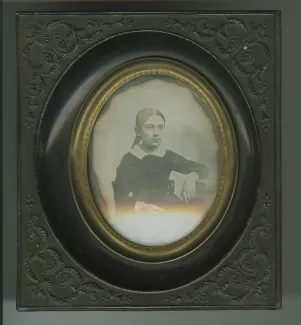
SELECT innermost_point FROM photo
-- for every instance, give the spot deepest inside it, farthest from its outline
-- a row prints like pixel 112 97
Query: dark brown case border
pixel 54 51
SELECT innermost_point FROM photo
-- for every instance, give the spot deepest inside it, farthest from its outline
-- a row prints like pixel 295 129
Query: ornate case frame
pixel 53 273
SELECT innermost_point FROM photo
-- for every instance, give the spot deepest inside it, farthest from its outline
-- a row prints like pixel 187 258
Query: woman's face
pixel 151 131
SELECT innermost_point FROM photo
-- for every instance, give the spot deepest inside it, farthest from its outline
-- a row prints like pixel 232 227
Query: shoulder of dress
pixel 128 159
pixel 170 154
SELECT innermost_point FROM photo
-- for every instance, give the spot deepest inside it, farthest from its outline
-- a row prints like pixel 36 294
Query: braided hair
pixel 142 116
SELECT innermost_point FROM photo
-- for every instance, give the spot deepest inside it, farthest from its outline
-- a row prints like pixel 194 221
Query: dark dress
pixel 147 179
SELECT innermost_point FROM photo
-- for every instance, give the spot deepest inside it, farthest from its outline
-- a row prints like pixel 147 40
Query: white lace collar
pixel 140 153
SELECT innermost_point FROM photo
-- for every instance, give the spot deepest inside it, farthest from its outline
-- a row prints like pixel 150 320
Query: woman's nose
pixel 156 132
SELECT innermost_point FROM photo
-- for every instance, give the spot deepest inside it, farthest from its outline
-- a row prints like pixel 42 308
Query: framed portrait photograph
pixel 149 161
pixel 153 159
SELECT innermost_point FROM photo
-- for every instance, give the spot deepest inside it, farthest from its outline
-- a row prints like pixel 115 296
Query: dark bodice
pixel 147 179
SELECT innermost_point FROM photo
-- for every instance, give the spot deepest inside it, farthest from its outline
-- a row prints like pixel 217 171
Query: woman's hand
pixel 189 188
pixel 150 208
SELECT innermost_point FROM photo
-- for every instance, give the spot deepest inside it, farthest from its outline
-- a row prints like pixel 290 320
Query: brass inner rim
pixel 78 161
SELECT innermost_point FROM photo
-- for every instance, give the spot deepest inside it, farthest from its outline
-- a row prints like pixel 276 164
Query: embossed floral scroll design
pixel 50 279
pixel 49 44
pixel 244 45
pixel 246 279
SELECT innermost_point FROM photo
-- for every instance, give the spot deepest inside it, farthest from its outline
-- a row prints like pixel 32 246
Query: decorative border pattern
pixel 246 279
pixel 243 44
pixel 55 41
pixel 49 49
pixel 48 274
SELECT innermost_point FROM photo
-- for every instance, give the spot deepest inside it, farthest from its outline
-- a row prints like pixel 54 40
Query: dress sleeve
pixel 185 166
pixel 123 186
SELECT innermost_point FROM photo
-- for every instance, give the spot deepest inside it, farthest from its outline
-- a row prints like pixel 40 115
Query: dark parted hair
pixel 142 116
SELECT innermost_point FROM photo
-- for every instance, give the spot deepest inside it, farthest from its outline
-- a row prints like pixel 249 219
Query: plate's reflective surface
pixel 155 160
pixel 154 185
